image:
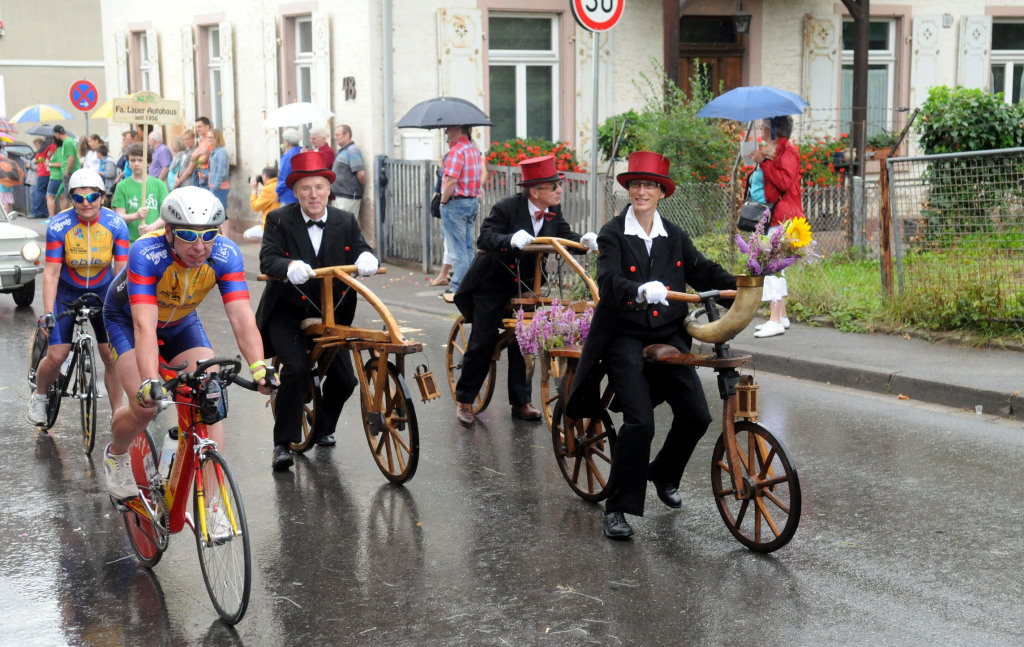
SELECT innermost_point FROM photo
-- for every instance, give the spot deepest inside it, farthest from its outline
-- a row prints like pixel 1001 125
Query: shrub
pixel 968 119
pixel 817 161
pixel 607 132
pixel 512 151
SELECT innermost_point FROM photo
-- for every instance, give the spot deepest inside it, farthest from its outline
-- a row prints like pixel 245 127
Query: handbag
pixel 435 205
pixel 751 213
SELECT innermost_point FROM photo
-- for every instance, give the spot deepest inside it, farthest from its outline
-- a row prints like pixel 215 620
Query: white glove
pixel 589 240
pixel 299 272
pixel 367 264
pixel 653 292
pixel 521 239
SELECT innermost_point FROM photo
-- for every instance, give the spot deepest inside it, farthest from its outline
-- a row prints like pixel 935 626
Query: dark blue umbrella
pixel 443 112
pixel 753 102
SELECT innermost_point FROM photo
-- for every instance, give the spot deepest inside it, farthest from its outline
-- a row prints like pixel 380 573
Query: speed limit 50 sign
pixel 597 15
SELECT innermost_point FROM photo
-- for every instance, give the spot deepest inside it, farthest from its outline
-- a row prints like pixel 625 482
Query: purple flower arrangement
pixel 552 327
pixel 767 255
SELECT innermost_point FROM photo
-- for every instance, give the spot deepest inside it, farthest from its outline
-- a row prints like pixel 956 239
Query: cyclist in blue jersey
pixel 85 247
pixel 150 313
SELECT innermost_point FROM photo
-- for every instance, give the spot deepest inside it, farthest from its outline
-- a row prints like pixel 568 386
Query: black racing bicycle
pixel 77 377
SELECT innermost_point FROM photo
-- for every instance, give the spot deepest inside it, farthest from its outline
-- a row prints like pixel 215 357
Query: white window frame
pixel 1010 59
pixel 303 59
pixel 876 57
pixel 214 64
pixel 144 60
pixel 520 60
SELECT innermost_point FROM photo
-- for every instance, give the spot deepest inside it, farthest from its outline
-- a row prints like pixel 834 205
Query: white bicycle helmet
pixel 191 206
pixel 85 178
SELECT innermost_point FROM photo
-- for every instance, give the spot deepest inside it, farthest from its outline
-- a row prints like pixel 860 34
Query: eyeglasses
pixel 554 186
pixel 88 197
pixel 646 184
pixel 191 235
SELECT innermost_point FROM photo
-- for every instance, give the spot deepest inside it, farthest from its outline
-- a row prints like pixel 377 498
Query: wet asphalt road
pixel 911 533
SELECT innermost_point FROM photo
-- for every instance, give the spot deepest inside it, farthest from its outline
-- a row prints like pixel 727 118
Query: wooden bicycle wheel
pixel 310 406
pixel 764 516
pixel 552 370
pixel 393 434
pixel 583 448
pixel 458 340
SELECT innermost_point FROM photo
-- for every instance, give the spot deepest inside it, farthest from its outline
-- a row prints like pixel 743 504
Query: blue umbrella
pixel 753 102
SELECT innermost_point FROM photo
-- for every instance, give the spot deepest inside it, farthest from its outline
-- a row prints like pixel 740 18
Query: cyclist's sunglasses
pixel 191 235
pixel 88 197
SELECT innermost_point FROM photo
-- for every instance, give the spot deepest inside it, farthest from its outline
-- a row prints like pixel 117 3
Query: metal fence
pixel 958 225
pixel 407 232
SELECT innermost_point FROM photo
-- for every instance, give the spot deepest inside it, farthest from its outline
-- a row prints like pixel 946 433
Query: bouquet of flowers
pixel 771 254
pixel 551 328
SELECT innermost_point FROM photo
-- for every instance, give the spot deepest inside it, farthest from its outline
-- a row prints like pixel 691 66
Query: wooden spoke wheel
pixel 393 434
pixel 310 408
pixel 583 448
pixel 552 370
pixel 765 514
pixel 458 340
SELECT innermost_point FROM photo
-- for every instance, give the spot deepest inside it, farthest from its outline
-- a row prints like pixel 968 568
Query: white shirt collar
pixel 537 224
pixel 633 227
pixel 323 218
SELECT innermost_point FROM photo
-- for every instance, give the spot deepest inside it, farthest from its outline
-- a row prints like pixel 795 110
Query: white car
pixel 21 259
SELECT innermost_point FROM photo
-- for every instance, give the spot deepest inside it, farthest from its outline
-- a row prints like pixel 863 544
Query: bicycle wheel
pixel 458 340
pixel 552 370
pixel 87 395
pixel 310 406
pixel 393 435
pixel 583 451
pixel 770 484
pixel 40 346
pixel 53 397
pixel 148 537
pixel 222 537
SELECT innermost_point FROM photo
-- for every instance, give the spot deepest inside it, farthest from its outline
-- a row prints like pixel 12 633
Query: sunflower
pixel 799 232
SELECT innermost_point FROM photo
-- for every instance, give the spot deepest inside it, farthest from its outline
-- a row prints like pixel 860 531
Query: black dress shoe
pixel 282 457
pixel 668 494
pixel 615 526
pixel 326 441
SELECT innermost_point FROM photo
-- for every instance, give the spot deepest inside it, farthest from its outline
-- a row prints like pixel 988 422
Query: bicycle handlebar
pixel 80 302
pixel 321 272
pixel 701 296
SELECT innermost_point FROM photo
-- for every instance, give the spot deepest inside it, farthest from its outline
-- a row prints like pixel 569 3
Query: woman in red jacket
pixel 778 163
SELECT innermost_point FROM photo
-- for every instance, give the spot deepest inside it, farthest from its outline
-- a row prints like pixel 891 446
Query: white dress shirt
pixel 633 228
pixel 316 234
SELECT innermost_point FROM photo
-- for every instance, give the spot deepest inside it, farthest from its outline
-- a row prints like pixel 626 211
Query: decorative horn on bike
pixel 735 320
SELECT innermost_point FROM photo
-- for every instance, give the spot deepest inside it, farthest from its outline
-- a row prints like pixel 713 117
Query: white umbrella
pixel 297 114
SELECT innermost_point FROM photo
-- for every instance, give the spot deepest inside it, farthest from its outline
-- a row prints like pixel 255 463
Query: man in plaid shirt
pixel 463 170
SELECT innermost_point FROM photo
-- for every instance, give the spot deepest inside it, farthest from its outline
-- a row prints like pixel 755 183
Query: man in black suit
pixel 297 239
pixel 642 258
pixel 483 297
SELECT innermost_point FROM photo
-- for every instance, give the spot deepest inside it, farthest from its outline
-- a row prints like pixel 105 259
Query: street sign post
pixel 596 16
pixel 83 96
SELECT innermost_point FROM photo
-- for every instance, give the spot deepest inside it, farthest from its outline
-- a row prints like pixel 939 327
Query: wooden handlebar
pixel 548 240
pixel 321 272
pixel 695 298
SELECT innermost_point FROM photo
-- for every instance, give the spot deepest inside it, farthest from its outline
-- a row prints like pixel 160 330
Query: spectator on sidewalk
pixel 201 155
pixel 127 139
pixel 263 199
pixel 292 138
pixel 63 163
pixel 141 216
pixel 186 167
pixel 318 142
pixel 460 190
pixel 45 149
pixel 162 157
pixel 108 171
pixel 220 181
pixel 349 171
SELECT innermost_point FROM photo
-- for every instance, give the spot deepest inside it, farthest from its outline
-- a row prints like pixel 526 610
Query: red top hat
pixel 644 165
pixel 538 170
pixel 308 164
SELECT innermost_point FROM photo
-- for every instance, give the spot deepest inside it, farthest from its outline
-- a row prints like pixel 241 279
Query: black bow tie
pixel 314 223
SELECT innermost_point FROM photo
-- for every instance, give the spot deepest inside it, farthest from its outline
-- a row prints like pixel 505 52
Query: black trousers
pixel 292 347
pixel 488 311
pixel 638 388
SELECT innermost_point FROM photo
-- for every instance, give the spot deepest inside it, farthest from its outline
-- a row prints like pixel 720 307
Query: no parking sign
pixel 83 95
pixel 597 15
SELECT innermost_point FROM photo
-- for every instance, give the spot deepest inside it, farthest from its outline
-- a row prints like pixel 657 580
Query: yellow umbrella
pixel 104 111
pixel 5 138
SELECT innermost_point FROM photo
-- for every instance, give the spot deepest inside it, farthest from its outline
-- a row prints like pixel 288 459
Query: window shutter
pixel 227 89
pixel 188 76
pixel 320 75
pixel 972 70
pixel 925 72
pixel 154 61
pixel 461 71
pixel 273 148
pixel 121 60
pixel 821 73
